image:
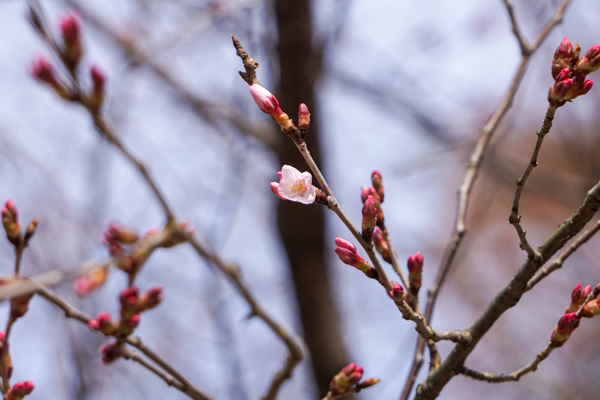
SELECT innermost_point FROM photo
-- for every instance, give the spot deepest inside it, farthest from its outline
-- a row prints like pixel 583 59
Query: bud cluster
pixel 376 191
pixel 569 321
pixel 70 52
pixel 12 228
pixel 348 255
pixel 19 390
pixel 348 381
pixel 569 72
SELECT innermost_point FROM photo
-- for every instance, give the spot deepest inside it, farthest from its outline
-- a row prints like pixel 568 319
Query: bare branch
pixel 487 133
pixel 515 217
pixel 525 49
pixel 558 263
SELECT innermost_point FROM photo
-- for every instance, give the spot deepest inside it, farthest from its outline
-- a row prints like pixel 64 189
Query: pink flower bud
pixel 348 255
pixel 129 299
pixel 103 323
pixel 566 325
pixel 10 222
pixel 590 62
pixel 97 96
pixel 69 28
pixel 43 71
pixel 303 118
pixel 90 281
pixel 368 383
pixel 31 229
pixel 129 324
pixel 397 292
pixel 116 233
pixel 364 193
pixel 150 299
pixel 564 57
pixel 564 74
pixel 415 272
pixel 265 101
pixel 369 218
pixel 377 184
pixel 557 95
pixel 381 246
pixel 19 390
pixel 345 379
pixel 591 308
pixel 120 258
pixel 111 352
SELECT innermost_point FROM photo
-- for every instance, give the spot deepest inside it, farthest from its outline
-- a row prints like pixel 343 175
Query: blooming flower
pixel 294 186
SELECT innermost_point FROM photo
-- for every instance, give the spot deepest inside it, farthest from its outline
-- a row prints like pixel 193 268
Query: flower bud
pixel 103 323
pixel 129 324
pixel 91 280
pixel 591 308
pixel 303 119
pixel 10 221
pixel 150 299
pixel 381 246
pixel 563 57
pixel 566 325
pixel 97 96
pixel 397 292
pixel 367 383
pixel 415 272
pixel 44 72
pixel 69 28
pixel 129 301
pixel 31 228
pixel 19 390
pixel 590 62
pixel 116 233
pixel 557 96
pixel 349 376
pixel 377 184
pixel 369 218
pixel 111 352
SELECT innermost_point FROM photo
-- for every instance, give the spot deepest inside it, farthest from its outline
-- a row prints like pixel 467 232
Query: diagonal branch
pixel 487 133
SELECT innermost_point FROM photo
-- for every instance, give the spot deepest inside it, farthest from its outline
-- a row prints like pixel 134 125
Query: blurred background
pixel 403 87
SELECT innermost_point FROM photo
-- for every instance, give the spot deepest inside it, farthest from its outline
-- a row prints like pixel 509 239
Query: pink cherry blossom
pixel 294 185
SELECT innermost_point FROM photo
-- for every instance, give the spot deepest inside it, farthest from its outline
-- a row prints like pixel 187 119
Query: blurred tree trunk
pixel 302 228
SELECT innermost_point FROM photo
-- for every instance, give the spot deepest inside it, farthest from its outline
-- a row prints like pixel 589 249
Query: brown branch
pixel 181 383
pixel 396 265
pixel 486 135
pixel 515 376
pixel 296 354
pixel 559 261
pixel 525 49
pixel 510 295
pixel 515 217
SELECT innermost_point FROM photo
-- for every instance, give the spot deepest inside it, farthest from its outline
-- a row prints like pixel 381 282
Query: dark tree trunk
pixel 302 228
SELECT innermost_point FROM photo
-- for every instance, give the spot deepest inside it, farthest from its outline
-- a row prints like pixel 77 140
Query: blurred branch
pixel 177 380
pixel 485 137
pixel 78 95
pixel 210 112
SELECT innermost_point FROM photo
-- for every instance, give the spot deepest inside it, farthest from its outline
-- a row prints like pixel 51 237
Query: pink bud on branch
pixel 103 323
pixel 69 28
pixel 269 105
pixel 294 186
pixel 44 72
pixel 10 222
pixel 343 382
pixel 397 292
pixel 377 184
pixel 348 255
pixel 563 57
pixel 381 246
pixel 97 96
pixel 19 390
pixel 415 272
pixel 566 325
pixel 369 218
pixel 303 119
pixel 92 280
pixel 111 352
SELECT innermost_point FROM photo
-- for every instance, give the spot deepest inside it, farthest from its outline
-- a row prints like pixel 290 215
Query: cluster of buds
pixel 348 255
pixel 19 390
pixel 376 191
pixel 297 186
pixel 7 359
pixel 569 321
pixel 12 228
pixel 415 272
pixel 369 218
pixel 348 381
pixel 111 352
pixel 569 72
pixel 381 245
pixel 70 53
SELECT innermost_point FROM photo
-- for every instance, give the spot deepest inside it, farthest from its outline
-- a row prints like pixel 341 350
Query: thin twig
pixel 559 261
pixel 295 355
pixel 515 376
pixel 487 133
pixel 520 38
pixel 184 385
pixel 515 217
pixel 396 265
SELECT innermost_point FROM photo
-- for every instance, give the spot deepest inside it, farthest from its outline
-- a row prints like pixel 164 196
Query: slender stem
pixel 515 217
pixel 558 263
pixel 513 377
pixel 396 265
pixel 487 133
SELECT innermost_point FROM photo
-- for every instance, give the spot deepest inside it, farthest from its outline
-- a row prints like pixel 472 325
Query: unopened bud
pixel 97 95
pixel 303 119
pixel 19 390
pixel 116 233
pixel 381 246
pixel 369 218
pixel 91 280
pixel 377 184
pixel 348 255
pixel 415 272
pixel 69 28
pixel 150 299
pixel 129 299
pixel 563 57
pixel 590 62
pixel 111 352
pixel 349 376
pixel 367 383
pixel 10 222
pixel 31 228
pixel 566 325
pixel 103 323
pixel 129 324
pixel 44 72
pixel 397 292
